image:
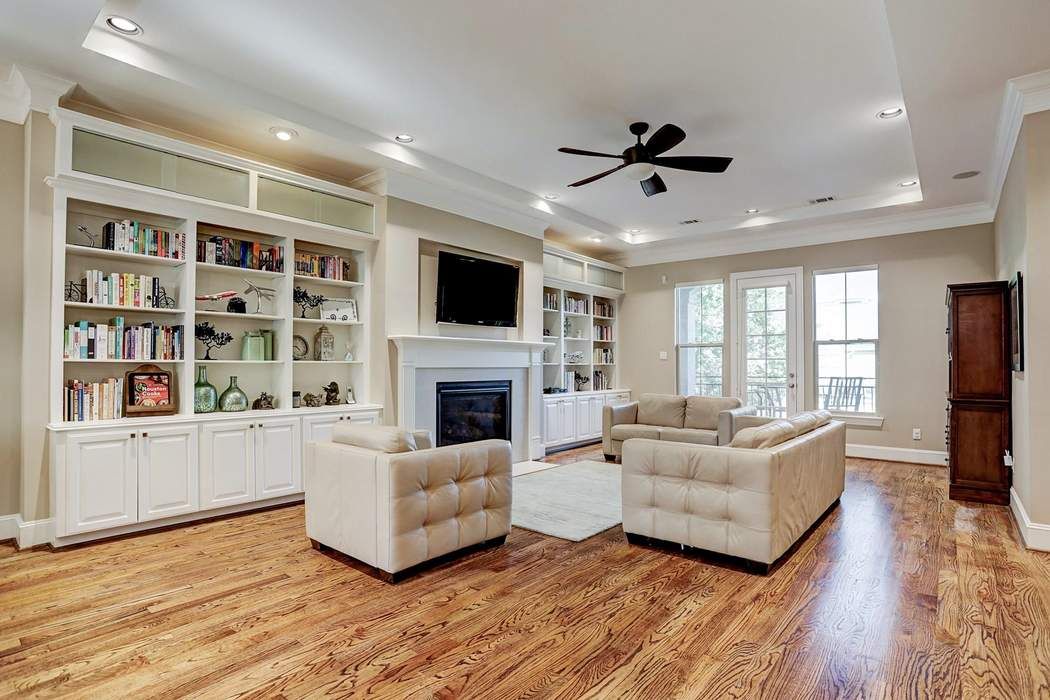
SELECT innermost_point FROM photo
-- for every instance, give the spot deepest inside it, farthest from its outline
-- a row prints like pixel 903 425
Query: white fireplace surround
pixel 416 352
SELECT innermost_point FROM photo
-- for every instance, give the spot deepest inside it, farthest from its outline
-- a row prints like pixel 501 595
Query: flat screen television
pixel 476 292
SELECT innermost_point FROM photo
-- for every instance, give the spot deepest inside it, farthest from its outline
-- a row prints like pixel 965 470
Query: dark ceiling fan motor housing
pixel 663 139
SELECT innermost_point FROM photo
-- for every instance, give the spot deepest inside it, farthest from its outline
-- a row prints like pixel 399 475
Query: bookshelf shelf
pixel 123 309
pixel 309 279
pixel 296 363
pixel 243 271
pixel 321 321
pixel 107 254
pixel 96 361
pixel 246 317
pixel 238 362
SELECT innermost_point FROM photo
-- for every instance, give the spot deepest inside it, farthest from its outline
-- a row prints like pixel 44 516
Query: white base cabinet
pixel 569 419
pixel 110 480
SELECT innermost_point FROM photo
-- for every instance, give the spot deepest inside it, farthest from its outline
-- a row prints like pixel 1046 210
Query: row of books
pixel 603 308
pixel 87 401
pixel 603 356
pixel 550 300
pixel 121 289
pixel 329 267
pixel 247 255
pixel 602 332
pixel 115 340
pixel 130 236
pixel 575 306
pixel 601 381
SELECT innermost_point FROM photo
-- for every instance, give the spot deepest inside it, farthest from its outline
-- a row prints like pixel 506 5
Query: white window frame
pixel 853 418
pixel 679 346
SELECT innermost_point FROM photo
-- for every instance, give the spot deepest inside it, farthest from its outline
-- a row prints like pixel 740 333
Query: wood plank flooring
pixel 899 593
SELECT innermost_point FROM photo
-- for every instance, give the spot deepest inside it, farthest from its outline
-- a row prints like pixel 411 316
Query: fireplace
pixel 471 411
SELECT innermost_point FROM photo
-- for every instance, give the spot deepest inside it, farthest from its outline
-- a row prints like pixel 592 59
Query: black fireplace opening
pixel 471 411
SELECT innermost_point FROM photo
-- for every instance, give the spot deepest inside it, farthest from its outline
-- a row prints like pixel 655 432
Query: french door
pixel 766 321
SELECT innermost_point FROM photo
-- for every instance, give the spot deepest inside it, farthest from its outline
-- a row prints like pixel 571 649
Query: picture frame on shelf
pixel 149 391
pixel 341 310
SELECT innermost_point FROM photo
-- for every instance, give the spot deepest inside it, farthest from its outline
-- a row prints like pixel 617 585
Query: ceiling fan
pixel 640 160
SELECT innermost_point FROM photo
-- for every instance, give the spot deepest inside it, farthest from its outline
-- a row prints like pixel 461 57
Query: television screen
pixel 476 292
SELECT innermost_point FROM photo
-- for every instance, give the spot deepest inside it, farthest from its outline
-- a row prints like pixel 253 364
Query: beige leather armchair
pixel 751 500
pixel 701 420
pixel 373 495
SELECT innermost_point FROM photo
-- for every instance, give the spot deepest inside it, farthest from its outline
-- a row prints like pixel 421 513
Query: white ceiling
pixel 491 89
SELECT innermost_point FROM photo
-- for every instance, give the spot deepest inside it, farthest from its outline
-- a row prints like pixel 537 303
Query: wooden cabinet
pixel 979 388
pixel 278 459
pixel 227 464
pixel 167 472
pixel 101 481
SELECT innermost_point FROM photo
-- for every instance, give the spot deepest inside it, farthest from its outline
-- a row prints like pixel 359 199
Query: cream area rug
pixel 570 501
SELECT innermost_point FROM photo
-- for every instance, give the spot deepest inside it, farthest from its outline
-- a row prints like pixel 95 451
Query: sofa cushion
pixel 381 438
pixel 769 435
pixel 809 420
pixel 626 431
pixel 702 411
pixel 662 409
pixel 690 435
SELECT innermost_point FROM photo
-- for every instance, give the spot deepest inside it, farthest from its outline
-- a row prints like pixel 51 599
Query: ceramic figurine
pixel 265 401
pixel 311 401
pixel 331 394
pixel 349 356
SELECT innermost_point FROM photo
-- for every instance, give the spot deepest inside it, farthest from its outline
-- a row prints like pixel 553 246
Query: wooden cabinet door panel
pixel 979 360
pixel 979 438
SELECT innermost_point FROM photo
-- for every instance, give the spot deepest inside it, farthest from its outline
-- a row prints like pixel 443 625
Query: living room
pixel 523 364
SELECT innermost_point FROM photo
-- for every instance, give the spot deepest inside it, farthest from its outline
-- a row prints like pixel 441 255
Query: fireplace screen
pixel 471 411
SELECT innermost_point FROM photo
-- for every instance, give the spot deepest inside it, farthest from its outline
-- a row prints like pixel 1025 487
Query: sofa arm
pixel 424 440
pixel 616 415
pixel 729 422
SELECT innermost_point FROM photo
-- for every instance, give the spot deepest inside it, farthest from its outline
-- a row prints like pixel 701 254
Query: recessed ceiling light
pixel 596 239
pixel 550 196
pixel 634 230
pixel 966 174
pixel 751 211
pixel 908 183
pixel 404 138
pixel 283 133
pixel 890 113
pixel 123 25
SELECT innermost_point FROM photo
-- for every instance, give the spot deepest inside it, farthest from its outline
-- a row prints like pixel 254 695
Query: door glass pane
pixel 700 371
pixel 765 326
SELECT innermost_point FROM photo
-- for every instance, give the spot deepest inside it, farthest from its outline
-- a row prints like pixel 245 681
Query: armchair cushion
pixel 702 411
pixel 662 409
pixel 381 438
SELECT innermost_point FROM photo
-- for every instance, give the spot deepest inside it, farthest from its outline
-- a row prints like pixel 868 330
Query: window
pixel 846 313
pixel 699 345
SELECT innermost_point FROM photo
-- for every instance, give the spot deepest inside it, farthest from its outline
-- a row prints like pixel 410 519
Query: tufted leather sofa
pixel 752 503
pixel 704 420
pixel 393 506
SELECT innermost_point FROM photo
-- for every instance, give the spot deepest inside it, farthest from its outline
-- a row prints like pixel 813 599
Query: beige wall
pixel 1022 230
pixel 11 205
pixel 396 306
pixel 913 271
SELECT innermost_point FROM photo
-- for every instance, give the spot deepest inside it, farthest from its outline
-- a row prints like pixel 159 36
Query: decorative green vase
pixel 205 397
pixel 233 399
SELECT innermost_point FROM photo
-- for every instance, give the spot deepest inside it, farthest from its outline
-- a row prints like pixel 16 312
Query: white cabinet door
pixel 596 405
pixel 583 417
pixel 167 466
pixel 617 399
pixel 552 431
pixel 567 418
pixel 369 418
pixel 227 464
pixel 278 459
pixel 318 429
pixel 101 481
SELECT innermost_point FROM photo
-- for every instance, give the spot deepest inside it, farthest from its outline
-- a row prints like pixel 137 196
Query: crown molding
pixel 14 97
pixel 26 89
pixel 1026 94
pixel 798 236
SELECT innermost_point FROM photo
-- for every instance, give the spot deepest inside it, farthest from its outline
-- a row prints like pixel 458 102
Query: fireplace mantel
pixel 416 352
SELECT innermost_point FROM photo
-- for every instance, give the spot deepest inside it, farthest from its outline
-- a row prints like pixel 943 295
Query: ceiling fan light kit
pixel 641 160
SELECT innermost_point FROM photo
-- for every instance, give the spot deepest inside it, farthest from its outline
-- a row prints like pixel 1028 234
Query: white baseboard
pixel 34 532
pixel 9 527
pixel 897 454
pixel 1035 535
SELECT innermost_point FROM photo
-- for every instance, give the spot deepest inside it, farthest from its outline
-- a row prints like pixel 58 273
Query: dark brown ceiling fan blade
pixel 599 176
pixel 666 137
pixel 654 185
pixel 578 152
pixel 699 164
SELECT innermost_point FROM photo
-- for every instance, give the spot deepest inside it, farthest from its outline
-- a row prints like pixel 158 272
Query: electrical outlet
pixel 663 354
pixel 916 433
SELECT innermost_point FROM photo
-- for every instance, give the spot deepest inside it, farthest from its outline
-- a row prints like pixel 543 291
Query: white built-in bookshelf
pixel 580 330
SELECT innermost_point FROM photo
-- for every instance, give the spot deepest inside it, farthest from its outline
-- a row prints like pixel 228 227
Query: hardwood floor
pixel 899 593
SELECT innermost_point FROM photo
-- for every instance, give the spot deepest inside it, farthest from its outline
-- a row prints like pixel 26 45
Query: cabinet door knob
pixel 145 434
pixel 133 436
